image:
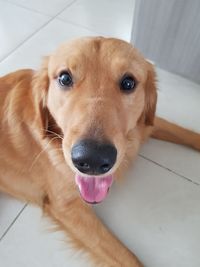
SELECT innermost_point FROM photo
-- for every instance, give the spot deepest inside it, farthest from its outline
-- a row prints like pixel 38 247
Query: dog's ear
pixel 40 85
pixel 150 96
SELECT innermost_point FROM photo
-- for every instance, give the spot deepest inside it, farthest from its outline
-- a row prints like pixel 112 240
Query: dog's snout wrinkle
pixel 93 157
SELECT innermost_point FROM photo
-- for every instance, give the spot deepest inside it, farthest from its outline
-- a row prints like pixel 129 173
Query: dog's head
pixel 98 91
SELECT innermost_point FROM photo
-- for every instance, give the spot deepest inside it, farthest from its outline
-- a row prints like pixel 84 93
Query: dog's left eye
pixel 65 79
pixel 127 84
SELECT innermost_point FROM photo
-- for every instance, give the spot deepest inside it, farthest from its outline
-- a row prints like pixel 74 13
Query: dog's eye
pixel 65 79
pixel 127 84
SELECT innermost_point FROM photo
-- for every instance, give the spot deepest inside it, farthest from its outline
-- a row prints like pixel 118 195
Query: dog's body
pixel 40 121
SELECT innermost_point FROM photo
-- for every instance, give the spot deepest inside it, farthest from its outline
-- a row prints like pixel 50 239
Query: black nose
pixel 92 157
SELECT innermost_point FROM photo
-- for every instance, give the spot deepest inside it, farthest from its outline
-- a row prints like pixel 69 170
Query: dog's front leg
pixel 86 230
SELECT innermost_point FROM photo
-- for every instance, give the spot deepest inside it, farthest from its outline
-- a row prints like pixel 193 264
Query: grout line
pixel 28 8
pixel 40 12
pixel 37 30
pixel 168 169
pixel 12 223
pixel 64 8
pixel 26 39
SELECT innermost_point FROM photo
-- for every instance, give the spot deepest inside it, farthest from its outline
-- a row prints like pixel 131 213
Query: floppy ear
pixel 40 85
pixel 44 121
pixel 150 96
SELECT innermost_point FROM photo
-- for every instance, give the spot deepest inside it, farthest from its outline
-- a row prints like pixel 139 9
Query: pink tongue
pixel 92 188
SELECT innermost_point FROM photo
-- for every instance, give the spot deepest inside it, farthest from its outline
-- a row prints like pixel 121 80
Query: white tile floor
pixel 156 211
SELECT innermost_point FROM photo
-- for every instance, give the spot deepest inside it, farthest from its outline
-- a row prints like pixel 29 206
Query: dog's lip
pixel 93 189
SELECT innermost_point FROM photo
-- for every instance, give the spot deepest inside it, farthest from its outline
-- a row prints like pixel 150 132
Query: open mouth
pixel 93 189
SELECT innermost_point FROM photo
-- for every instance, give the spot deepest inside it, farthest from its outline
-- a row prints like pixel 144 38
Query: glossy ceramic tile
pixel 178 100
pixel 29 55
pixel 32 243
pixel 9 209
pixel 113 18
pixel 16 25
pixel 182 160
pixel 46 7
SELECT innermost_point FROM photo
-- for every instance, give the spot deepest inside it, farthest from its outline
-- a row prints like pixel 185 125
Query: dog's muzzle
pixel 93 159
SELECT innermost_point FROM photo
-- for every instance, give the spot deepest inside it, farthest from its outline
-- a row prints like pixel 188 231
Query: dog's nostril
pixel 83 165
pixel 105 167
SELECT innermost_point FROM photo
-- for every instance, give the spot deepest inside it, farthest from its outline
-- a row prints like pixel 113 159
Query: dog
pixel 69 129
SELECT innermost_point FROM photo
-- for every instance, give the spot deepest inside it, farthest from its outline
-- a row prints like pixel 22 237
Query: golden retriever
pixel 69 129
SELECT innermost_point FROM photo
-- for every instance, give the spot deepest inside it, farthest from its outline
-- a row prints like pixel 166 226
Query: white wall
pixel 168 32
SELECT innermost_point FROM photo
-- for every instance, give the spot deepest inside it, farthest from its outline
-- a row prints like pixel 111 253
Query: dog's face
pixel 99 91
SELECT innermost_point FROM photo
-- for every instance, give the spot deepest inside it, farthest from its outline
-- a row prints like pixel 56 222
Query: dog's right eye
pixel 127 84
pixel 65 79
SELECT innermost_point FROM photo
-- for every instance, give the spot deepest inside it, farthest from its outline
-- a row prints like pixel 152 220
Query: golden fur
pixel 39 123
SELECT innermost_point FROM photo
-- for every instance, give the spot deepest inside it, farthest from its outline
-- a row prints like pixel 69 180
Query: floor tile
pixel 9 209
pixel 50 7
pixel 113 18
pixel 182 160
pixel 178 100
pixel 16 25
pixel 154 212
pixel 32 243
pixel 46 40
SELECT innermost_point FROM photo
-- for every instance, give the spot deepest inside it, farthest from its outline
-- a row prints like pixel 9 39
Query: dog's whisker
pixel 55 134
pixel 40 153
pixel 58 135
